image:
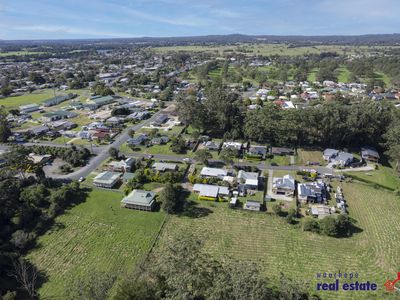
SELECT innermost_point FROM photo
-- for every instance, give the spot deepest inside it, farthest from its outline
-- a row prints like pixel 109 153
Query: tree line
pixel 328 124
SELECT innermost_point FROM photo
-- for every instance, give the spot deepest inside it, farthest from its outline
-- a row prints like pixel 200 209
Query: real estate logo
pixel 390 285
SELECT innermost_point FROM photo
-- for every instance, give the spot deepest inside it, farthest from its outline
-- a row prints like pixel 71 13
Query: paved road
pixel 103 151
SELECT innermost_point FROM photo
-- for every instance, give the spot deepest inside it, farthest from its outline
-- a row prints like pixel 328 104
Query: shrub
pixel 311 224
pixel 277 209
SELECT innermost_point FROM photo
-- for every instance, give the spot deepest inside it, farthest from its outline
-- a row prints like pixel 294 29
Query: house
pixel 370 154
pixel 249 179
pixel 213 172
pixel 39 159
pixel 99 101
pixel 115 120
pixel 162 167
pixel 58 115
pixel 39 130
pixel 159 120
pixel 256 152
pixel 107 179
pixel 162 140
pixel 252 205
pixel 211 192
pixel 24 109
pixel 314 192
pixel 212 146
pixel 232 145
pixel 343 159
pixel 281 151
pixel 57 100
pixel 85 135
pixel 140 200
pixel 62 125
pixel 100 135
pixel 139 140
pixel 139 115
pixel 121 166
pixel 320 211
pixel 283 186
pixel 330 154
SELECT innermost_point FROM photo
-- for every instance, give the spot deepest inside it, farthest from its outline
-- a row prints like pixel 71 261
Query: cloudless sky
pixel 50 19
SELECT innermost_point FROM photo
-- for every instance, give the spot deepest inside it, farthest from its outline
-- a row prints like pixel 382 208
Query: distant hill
pixel 368 39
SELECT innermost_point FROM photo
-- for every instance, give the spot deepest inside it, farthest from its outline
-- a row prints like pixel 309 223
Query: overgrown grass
pixel 279 247
pixel 97 235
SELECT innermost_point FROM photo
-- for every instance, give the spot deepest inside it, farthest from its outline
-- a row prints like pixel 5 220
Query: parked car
pixel 81 179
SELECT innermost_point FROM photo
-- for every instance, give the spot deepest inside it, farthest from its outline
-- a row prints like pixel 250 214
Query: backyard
pixel 96 235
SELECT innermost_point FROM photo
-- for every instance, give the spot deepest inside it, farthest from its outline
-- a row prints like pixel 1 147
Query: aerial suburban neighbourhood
pixel 225 166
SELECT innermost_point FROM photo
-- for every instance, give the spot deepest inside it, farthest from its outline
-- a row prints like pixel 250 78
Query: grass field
pixel 94 235
pixel 35 97
pixel 384 176
pixel 278 247
pixel 343 75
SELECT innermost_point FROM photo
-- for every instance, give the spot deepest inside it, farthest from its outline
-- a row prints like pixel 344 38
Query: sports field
pixel 96 235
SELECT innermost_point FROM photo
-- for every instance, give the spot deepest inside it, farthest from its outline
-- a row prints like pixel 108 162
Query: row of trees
pixel 333 124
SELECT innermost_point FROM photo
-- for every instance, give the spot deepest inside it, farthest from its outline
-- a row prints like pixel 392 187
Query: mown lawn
pixel 96 235
pixel 36 97
pixel 279 247
pixel 384 176
pixel 343 75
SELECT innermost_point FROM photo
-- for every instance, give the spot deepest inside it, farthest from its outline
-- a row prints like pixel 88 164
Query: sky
pixel 70 19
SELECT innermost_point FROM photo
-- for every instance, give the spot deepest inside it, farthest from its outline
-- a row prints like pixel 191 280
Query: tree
pixel 311 224
pixel 292 214
pixel 228 155
pixel 178 145
pixel 101 89
pixel 26 275
pixel 203 155
pixel 131 133
pixel 114 153
pixel 5 131
pixel 170 198
pixel 328 226
pixel 343 225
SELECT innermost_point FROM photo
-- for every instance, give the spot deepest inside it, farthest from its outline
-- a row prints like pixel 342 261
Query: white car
pixel 81 179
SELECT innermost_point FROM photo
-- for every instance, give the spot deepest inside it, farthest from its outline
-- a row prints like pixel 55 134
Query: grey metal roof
pixel 140 197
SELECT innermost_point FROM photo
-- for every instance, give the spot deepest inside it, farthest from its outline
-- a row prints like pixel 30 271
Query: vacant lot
pixel 96 235
pixel 279 247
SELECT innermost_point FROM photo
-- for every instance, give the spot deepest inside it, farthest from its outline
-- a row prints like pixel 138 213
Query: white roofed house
pixel 343 159
pixel 163 167
pixel 121 166
pixel 330 154
pixel 107 179
pixel 213 173
pixel 284 186
pixel 211 192
pixel 248 179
